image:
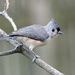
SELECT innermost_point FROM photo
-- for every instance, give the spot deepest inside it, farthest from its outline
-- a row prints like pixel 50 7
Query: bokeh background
pixel 59 53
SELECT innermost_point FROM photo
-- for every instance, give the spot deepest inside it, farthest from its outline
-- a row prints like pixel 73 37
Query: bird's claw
pixel 35 57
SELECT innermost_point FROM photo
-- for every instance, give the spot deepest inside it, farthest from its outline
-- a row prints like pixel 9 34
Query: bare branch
pixel 47 67
pixel 9 19
pixel 8 52
pixel 7 4
pixel 5 14
pixel 38 61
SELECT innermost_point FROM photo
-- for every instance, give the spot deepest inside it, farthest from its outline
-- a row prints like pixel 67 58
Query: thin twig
pixel 8 52
pixel 5 14
pixel 6 5
pixel 17 49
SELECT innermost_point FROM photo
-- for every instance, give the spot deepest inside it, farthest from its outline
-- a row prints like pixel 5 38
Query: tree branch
pixel 6 5
pixel 8 52
pixel 19 49
pixel 5 14
pixel 47 67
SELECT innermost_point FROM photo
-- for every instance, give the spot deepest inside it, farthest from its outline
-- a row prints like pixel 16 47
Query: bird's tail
pixel 7 37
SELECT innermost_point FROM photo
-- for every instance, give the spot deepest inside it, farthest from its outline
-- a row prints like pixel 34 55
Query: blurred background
pixel 59 53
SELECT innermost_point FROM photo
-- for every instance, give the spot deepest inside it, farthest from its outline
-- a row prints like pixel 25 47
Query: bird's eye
pixel 53 30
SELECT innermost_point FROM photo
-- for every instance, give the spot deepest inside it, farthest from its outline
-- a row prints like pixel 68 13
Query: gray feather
pixel 4 38
pixel 36 32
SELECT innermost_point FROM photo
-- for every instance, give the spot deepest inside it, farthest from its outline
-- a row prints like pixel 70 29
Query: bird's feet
pixel 35 57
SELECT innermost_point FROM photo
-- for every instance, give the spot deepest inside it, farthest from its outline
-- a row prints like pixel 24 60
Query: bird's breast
pixel 27 42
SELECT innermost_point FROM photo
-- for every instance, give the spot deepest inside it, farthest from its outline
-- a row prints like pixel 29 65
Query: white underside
pixel 30 43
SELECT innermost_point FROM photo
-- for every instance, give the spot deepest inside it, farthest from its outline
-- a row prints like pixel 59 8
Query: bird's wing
pixel 36 32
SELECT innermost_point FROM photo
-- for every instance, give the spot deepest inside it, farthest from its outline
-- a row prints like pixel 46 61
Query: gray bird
pixel 35 35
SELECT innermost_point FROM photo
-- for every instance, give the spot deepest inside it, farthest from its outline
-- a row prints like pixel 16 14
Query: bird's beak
pixel 59 32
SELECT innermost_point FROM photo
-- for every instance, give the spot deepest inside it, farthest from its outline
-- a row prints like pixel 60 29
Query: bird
pixel 35 35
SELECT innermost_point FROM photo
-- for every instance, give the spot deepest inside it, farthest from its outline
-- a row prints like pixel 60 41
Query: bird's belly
pixel 27 42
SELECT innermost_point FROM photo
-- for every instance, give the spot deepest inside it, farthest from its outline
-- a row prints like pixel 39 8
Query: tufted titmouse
pixel 35 35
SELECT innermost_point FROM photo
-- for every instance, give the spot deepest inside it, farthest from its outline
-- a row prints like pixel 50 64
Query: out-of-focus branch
pixel 5 14
pixel 19 49
pixel 6 5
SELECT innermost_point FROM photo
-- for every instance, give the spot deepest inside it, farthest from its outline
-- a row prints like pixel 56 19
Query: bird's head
pixel 53 29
